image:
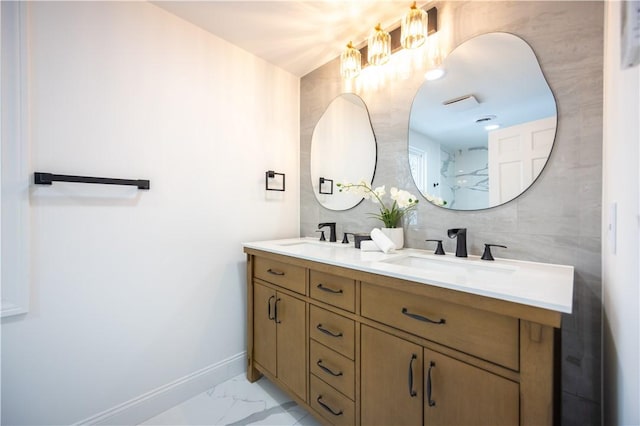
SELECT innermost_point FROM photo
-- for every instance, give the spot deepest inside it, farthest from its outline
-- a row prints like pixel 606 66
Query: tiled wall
pixel 557 220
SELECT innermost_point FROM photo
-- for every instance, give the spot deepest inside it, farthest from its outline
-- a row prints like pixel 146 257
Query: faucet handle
pixel 345 239
pixel 322 238
pixel 486 255
pixel 439 249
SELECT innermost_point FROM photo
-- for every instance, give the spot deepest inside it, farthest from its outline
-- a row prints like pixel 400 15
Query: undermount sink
pixel 452 266
pixel 311 242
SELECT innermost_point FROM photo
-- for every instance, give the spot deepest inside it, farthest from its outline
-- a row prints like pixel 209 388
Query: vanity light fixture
pixel 350 62
pixel 381 44
pixel 379 48
pixel 413 28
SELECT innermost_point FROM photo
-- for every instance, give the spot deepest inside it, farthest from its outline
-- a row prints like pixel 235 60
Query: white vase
pixel 396 235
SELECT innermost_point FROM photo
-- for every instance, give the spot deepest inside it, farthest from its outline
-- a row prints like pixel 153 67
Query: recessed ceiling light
pixel 486 118
pixel 488 122
pixel 434 74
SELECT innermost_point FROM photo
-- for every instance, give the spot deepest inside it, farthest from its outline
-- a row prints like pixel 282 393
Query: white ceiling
pixel 298 36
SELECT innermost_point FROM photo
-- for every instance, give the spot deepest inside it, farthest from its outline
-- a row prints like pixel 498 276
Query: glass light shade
pixel 350 62
pixel 379 49
pixel 413 31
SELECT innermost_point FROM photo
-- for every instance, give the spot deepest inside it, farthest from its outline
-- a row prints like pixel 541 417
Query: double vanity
pixel 409 337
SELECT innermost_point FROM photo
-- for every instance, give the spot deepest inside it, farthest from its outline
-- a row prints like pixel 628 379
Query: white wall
pixel 133 290
pixel 621 298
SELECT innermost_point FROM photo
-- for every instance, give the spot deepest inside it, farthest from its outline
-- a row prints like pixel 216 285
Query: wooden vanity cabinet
pixel 280 336
pixel 406 384
pixel 457 393
pixel 391 380
pixel 357 348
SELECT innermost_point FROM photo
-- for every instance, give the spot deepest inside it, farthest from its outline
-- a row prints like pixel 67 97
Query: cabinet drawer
pixel 331 404
pixel 332 330
pixel 333 289
pixel 333 368
pixel 288 276
pixel 484 334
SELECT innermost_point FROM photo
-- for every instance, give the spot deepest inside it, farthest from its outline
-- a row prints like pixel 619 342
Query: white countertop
pixel 541 285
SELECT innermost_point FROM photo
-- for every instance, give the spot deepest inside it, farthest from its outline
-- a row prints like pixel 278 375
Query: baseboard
pixel 154 402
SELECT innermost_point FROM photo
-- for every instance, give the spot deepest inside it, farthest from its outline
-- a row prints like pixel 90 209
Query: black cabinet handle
pixel 275 309
pixel 327 332
pixel 326 407
pixel 412 393
pixel 269 308
pixel 275 272
pixel 328 370
pixel 421 318
pixel 432 403
pixel 328 290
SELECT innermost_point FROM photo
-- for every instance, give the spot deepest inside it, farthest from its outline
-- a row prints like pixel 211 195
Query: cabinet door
pixel 391 380
pixel 264 327
pixel 460 394
pixel 291 348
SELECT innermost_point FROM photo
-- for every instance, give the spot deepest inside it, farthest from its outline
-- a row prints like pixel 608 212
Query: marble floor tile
pixel 237 402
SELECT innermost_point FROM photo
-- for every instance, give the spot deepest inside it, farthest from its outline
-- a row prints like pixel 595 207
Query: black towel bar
pixel 49 178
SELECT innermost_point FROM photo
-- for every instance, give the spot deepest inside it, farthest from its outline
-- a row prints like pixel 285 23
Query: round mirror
pixel 343 149
pixel 480 135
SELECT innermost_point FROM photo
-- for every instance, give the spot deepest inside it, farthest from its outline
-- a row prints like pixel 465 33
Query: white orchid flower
pixel 404 201
pixel 403 198
pixel 379 192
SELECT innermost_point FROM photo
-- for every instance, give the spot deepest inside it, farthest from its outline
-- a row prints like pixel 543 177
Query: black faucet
pixel 460 234
pixel 332 228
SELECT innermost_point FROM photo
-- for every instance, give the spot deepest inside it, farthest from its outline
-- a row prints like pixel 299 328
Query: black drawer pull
pixel 326 407
pixel 327 332
pixel 328 290
pixel 432 403
pixel 328 370
pixel 412 393
pixel 275 272
pixel 421 318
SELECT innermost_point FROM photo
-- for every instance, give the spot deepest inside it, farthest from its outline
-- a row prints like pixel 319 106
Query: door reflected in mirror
pixel 343 149
pixel 481 135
